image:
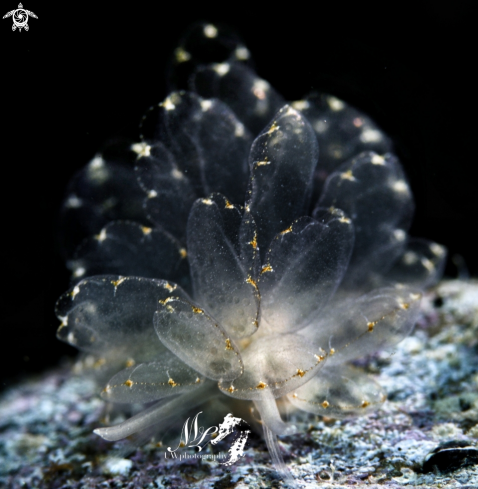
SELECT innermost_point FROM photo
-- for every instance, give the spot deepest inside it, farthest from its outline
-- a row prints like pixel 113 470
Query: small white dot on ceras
pixel 182 55
pixel 427 264
pixel 400 186
pixel 206 105
pixel 102 236
pixel 335 104
pixel 320 126
pixel 210 31
pixel 97 162
pixel 242 53
pixel 370 136
pixel 410 258
pixel 301 104
pixel 399 234
pixel 152 194
pixel 73 202
pixel 141 149
pixel 168 104
pixel 75 292
pixel 378 160
pixel 239 130
pixel 221 68
pixel 79 272
pixel 177 174
pixel 436 249
pixel 347 175
pixel 259 88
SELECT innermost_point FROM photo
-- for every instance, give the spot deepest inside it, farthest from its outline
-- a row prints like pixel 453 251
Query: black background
pixel 85 73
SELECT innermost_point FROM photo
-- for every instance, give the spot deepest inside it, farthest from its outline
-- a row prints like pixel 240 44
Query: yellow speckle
pixel 207 201
pixel 165 301
pixel 378 160
pixel 300 372
pixel 274 127
pixel 159 444
pixel 210 31
pixel 75 292
pixel 325 404
pixel 371 325
pixel 251 281
pixel 255 323
pixel 130 362
pixel 253 243
pixel 294 395
pixel 99 363
pixel 345 220
pixel 197 310
pixel 129 383
pixel 266 268
pixel 415 297
pixel 320 358
pixel 262 163
pixel 102 236
pixel 181 55
pixel 231 389
pixel 183 253
pixel 365 404
pixel 182 444
pixel 152 194
pixel 146 230
pixel 169 287
pixel 288 230
pixel 198 380
pixel 170 308
pixel 229 205
pixel 347 175
pixel 228 344
pixel 118 282
pixel 261 385
pixel 332 351
pixel 172 383
pixel 404 305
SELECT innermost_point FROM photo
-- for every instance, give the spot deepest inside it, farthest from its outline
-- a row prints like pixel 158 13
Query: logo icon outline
pixel 20 18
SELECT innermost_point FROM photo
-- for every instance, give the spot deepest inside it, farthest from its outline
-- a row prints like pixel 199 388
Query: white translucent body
pixel 261 298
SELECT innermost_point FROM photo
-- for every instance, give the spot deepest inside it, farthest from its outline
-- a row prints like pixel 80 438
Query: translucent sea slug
pixel 256 249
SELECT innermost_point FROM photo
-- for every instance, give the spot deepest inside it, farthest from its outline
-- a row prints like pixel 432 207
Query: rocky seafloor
pixel 431 379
